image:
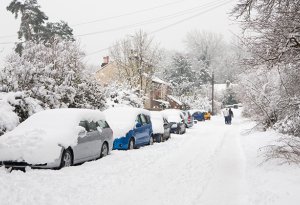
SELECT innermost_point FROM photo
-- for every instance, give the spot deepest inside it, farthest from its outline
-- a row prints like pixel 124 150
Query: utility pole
pixel 212 91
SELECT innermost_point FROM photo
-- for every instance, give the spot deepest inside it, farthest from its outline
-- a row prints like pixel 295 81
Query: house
pixel 108 73
pixel 158 95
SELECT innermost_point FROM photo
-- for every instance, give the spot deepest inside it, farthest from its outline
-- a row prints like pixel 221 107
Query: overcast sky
pixel 210 15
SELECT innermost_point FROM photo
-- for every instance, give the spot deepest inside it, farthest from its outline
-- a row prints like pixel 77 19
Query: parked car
pixel 176 119
pixel 198 115
pixel 132 127
pixel 188 119
pixel 161 127
pixel 57 138
pixel 207 115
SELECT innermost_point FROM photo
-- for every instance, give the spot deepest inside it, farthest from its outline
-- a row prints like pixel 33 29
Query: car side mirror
pixel 138 124
pixel 82 133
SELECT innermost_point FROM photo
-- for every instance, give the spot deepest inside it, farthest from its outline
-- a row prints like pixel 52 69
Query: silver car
pixel 57 138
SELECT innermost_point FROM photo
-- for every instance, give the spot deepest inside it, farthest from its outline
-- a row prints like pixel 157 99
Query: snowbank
pixel 39 139
pixel 157 122
pixel 122 119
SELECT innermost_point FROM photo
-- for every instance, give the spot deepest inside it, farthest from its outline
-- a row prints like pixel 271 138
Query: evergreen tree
pixel 33 28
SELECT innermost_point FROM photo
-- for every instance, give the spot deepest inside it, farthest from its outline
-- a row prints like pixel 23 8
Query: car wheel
pixel 104 150
pixel 151 140
pixel 66 159
pixel 160 138
pixel 131 144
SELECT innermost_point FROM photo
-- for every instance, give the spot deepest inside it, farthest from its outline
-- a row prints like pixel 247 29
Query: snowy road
pixel 211 164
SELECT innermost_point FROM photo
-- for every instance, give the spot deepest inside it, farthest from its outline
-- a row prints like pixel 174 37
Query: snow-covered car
pixel 188 119
pixel 176 119
pixel 207 115
pixel 161 127
pixel 57 138
pixel 132 127
pixel 198 114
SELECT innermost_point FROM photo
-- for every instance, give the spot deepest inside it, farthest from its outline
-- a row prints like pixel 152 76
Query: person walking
pixel 230 116
pixel 225 114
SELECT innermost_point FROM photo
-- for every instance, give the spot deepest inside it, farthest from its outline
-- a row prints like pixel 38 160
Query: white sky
pixel 75 12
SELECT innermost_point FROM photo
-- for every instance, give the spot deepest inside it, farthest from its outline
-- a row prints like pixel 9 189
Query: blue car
pixel 132 127
pixel 198 116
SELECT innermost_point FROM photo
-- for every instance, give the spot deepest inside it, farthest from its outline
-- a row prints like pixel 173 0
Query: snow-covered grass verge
pixel 268 182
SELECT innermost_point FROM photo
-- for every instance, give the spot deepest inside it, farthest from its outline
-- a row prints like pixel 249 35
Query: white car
pixel 57 138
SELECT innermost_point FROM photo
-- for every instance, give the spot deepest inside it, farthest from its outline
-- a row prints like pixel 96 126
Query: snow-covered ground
pixel 213 163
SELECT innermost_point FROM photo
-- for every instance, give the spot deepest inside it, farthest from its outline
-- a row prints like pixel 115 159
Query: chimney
pixel 105 61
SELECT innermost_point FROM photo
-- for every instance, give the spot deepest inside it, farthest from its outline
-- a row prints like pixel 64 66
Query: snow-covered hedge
pixel 121 95
pixel 15 107
pixel 53 74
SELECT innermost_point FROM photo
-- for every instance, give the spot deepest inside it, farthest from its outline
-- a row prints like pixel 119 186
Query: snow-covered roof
pixel 163 102
pixel 122 119
pixel 174 99
pixel 38 139
pixel 160 81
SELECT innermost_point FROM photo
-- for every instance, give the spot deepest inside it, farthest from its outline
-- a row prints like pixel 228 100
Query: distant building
pixel 158 96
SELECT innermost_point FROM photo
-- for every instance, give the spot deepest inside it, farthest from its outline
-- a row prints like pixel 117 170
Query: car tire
pixel 151 140
pixel 104 150
pixel 131 144
pixel 160 138
pixel 66 159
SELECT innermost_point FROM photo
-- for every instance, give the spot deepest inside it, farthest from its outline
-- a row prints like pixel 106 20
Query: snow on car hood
pixel 40 138
pixel 157 122
pixel 172 115
pixel 122 120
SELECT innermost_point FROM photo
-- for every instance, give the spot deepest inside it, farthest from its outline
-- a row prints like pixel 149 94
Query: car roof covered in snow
pixel 122 119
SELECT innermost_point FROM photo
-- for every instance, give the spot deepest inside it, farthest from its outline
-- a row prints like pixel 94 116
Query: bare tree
pixel 137 58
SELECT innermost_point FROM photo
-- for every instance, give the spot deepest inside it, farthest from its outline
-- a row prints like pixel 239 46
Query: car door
pixel 105 132
pixel 139 131
pixel 94 141
pixel 81 151
pixel 146 129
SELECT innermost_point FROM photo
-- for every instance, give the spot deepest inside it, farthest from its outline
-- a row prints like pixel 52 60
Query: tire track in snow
pixel 227 180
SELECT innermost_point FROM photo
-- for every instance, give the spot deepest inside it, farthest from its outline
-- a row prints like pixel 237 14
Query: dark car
pixel 176 120
pixel 198 115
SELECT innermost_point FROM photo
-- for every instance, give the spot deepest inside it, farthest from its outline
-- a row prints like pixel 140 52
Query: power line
pixel 191 17
pixel 129 13
pixel 117 16
pixel 170 25
pixel 153 20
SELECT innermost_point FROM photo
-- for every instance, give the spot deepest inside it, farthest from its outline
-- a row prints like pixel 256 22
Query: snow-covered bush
pixel 15 107
pixel 53 74
pixel 120 95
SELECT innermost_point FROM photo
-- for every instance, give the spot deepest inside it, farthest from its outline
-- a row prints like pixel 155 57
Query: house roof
pixel 175 99
pixel 160 81
pixel 162 101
